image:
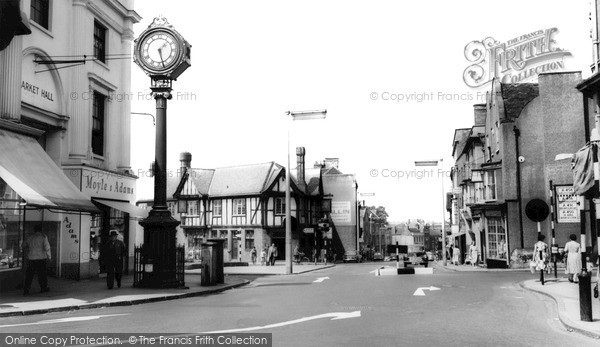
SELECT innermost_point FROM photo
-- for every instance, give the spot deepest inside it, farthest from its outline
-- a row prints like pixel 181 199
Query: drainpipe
pixel 519 198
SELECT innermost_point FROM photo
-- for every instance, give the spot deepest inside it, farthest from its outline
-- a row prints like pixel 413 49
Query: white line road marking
pixel 320 279
pixel 332 315
pixel 420 290
pixel 64 320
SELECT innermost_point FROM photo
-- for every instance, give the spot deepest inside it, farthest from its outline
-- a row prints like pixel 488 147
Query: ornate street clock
pixel 161 51
pixel 164 55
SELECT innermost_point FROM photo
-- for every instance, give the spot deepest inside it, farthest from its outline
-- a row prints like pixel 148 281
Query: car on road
pixel 377 256
pixel 352 257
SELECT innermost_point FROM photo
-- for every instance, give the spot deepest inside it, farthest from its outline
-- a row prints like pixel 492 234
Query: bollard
pixel 585 296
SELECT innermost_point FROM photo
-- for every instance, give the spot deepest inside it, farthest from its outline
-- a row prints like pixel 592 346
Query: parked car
pixel 377 256
pixel 352 256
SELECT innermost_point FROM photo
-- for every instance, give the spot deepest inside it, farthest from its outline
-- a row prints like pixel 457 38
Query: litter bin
pixel 206 276
pixel 212 262
pixel 217 256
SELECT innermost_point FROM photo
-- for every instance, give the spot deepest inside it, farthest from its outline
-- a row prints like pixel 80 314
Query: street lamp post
pixel 435 163
pixel 299 115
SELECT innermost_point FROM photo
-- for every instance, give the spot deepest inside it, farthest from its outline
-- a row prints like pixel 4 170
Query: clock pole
pixel 160 228
pixel 159 262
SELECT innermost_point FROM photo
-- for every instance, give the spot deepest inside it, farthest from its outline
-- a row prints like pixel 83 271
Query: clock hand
pixel 161 57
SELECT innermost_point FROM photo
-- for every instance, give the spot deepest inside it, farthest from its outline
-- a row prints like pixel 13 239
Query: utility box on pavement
pixel 212 262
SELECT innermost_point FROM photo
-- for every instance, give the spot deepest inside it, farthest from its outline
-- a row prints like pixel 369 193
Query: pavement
pixel 70 295
pixel 564 293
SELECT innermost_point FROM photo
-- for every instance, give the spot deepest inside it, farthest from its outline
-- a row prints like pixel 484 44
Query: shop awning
pixel 134 211
pixel 30 172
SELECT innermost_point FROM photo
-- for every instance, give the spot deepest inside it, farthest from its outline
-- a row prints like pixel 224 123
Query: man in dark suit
pixel 114 260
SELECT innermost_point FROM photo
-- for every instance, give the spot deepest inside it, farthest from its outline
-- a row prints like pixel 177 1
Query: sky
pixel 389 74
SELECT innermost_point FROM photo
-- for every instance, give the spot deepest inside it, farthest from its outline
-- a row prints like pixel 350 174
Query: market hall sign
pixel 40 87
pixel 32 88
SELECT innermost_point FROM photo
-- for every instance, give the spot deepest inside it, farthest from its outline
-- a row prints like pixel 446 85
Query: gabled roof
pixel 330 171
pixel 243 180
pixel 460 138
pixel 312 178
pixel 202 179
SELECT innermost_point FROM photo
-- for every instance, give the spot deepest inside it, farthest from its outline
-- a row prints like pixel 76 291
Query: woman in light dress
pixel 572 249
pixel 473 253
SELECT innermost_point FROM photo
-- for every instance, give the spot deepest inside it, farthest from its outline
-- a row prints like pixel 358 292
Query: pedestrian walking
pixel 572 250
pixel 114 260
pixel 37 253
pixel 263 256
pixel 449 251
pixel 540 256
pixel 474 254
pixel 253 254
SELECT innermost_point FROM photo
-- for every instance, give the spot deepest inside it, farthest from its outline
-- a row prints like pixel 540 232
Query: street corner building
pixel 507 159
pixel 64 136
pixel 244 206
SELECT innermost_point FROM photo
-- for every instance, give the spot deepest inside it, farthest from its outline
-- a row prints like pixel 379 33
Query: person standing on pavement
pixel 271 255
pixel 253 253
pixel 456 255
pixel 473 253
pixel 114 260
pixel 263 255
pixel 572 249
pixel 37 252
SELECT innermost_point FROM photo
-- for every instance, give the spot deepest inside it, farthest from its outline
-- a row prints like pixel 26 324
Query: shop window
pixel 223 234
pixel 40 12
pixel 11 235
pixel 214 234
pixel 171 207
pixel 239 207
pixel 99 42
pixel 98 115
pixel 279 205
pixel 497 248
pixel 217 208
pixel 249 240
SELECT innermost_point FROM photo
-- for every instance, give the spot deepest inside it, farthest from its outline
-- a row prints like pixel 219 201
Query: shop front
pixel 35 192
pixel 112 193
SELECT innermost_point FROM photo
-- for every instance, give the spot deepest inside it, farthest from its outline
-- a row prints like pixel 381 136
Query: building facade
pixel 507 159
pixel 65 125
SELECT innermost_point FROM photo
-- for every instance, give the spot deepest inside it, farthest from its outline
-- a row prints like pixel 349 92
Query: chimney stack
pixel 186 161
pixel 480 111
pixel 300 152
pixel 332 163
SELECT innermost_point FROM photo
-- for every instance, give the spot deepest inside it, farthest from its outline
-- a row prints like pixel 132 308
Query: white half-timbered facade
pixel 246 206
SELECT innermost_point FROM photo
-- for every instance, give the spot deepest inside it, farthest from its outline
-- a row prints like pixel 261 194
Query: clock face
pixel 159 50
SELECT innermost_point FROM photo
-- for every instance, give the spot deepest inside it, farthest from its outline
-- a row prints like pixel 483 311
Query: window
pixel 279 205
pixel 40 12
pixel 239 207
pixel 11 236
pixel 490 185
pixel 223 234
pixel 217 208
pixel 249 240
pixel 98 107
pixel 99 42
pixel 192 208
pixel 497 248
pixel 171 207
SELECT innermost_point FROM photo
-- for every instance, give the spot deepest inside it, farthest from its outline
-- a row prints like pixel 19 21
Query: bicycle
pixel 301 259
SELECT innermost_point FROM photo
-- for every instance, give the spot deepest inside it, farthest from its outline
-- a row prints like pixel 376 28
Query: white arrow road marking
pixel 376 270
pixel 333 315
pixel 320 279
pixel 420 290
pixel 65 320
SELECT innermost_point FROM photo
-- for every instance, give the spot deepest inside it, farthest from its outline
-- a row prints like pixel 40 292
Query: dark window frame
pixel 100 34
pixel 98 119
pixel 40 13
